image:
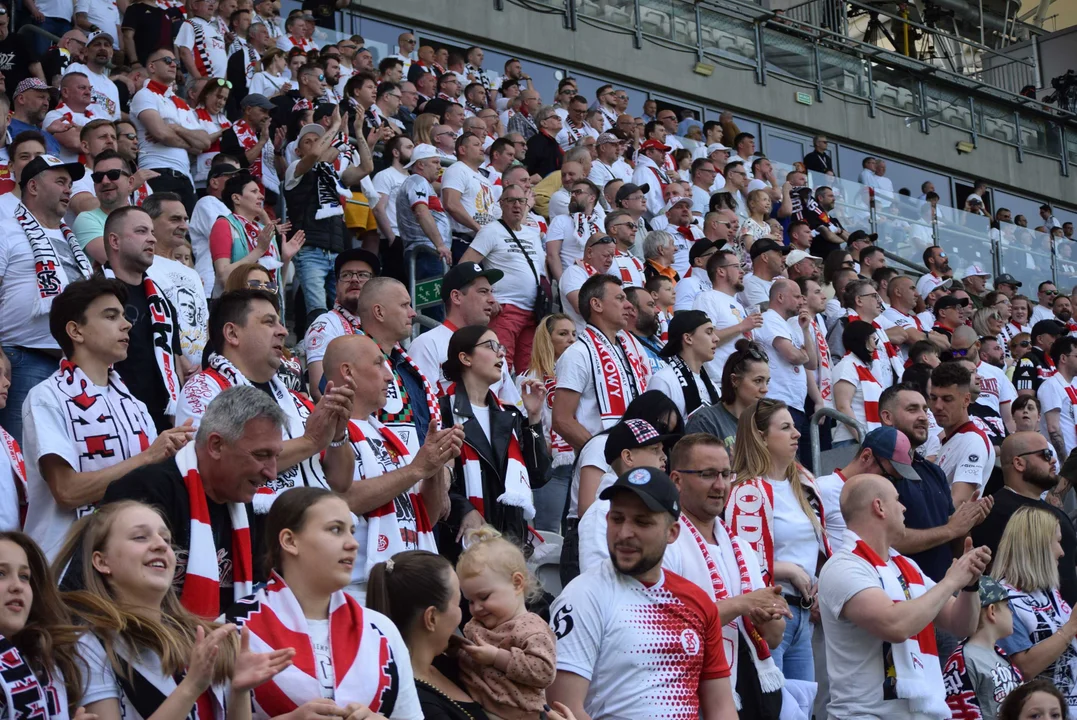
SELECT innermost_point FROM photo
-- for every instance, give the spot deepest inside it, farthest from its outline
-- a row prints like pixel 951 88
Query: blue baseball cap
pixel 893 445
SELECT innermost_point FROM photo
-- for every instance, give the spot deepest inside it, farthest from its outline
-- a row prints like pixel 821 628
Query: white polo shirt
pixel 967 455
pixel 172 110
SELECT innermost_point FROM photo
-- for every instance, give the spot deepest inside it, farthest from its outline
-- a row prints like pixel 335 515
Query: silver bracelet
pixel 338 443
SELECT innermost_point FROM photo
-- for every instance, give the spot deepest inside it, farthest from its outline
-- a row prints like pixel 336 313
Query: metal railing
pixel 837 457
pixel 413 287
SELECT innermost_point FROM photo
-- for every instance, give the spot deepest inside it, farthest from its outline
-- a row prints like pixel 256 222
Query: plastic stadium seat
pixel 545 562
pixel 905 99
pixel 1000 130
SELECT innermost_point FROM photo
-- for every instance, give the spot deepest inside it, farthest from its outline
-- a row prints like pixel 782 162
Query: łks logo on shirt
pixel 690 641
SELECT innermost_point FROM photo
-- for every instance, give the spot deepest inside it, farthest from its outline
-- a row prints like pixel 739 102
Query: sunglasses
pixel 1045 453
pixel 1023 343
pixel 112 175
pixel 221 82
pixel 262 285
pixel 959 352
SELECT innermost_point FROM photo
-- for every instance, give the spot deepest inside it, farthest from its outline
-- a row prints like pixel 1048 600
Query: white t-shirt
pixel 79 120
pixel 689 288
pixel 573 231
pixel 571 281
pixel 756 290
pixel 996 389
pixel 667 382
pixel 212 46
pixel 573 371
pixel 9 495
pixel 154 155
pixel 725 311
pixel 1052 396
pixel 592 454
pixel 794 534
pixel 323 656
pixel 105 93
pixel 475 194
pixel 387 182
pixel 18 286
pixel 1039 312
pixel 854 657
pixel 594 548
pixel 846 370
pixel 326 327
pixel 967 456
pixel 104 14
pixel 788 383
pixel 643 649
pixel 701 200
pixel 495 244
pixel 61 9
pixel 206 212
pixel 431 349
pixel 830 489
pixel 184 289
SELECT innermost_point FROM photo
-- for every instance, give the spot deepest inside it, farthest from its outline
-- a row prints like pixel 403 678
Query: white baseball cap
pixel 422 151
pixel 715 147
pixel 975 270
pixel 797 255
pixel 311 128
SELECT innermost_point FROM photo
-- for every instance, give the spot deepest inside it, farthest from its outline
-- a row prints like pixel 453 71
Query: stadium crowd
pixel 233 485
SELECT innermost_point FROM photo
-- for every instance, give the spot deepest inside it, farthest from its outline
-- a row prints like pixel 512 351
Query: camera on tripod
pixel 1065 94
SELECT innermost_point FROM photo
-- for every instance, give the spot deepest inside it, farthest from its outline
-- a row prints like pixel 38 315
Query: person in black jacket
pixel 544 153
pixel 504 456
pixel 819 160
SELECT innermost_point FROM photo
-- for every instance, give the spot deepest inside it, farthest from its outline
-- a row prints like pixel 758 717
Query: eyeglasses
pixel 514 200
pixel 221 82
pixel 266 285
pixel 112 175
pixel 492 345
pixel 708 475
pixel 874 295
pixel 356 275
pixel 447 132
pixel 1045 453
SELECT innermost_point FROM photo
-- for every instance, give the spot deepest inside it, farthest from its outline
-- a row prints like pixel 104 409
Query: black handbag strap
pixel 530 262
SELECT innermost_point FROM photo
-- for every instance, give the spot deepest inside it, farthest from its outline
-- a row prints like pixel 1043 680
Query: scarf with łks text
pixel 51 276
pixel 912 670
pixel 750 515
pixel 400 524
pixel 107 425
pixel 364 668
pixel 615 384
pixel 202 581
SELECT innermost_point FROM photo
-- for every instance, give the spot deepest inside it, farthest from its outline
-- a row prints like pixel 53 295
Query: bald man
pixel 1028 470
pixel 398 497
pixel 872 599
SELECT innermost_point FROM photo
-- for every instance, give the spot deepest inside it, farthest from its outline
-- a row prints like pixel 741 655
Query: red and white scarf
pixel 350 323
pixel 616 385
pixel 562 452
pixel 163 328
pixel 202 581
pixel 1071 393
pixel 911 668
pixel 871 390
pixel 630 270
pixel 247 139
pixel 248 232
pixel 201 51
pixel 893 357
pixel 166 92
pixel 297 408
pixel 517 482
pixel 383 534
pixel 750 516
pixel 365 670
pixel 51 276
pixel 107 425
pixel 18 472
pixel 21 695
pixel 211 124
pixel 770 677
pixel 826 382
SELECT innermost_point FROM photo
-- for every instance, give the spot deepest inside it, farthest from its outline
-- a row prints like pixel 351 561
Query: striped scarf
pixel 515 479
pixel 826 382
pixel 630 269
pixel 18 472
pixel 893 357
pixel 365 670
pixel 201 54
pixel 911 668
pixel 202 582
pixel 397 410
pixel 872 391
pixel 51 276
pixel 400 524
pixel 22 696
pixel 616 384
pixel 247 139
pixel 562 452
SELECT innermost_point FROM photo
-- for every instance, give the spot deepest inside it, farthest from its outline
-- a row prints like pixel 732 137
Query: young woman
pixel 1020 315
pixel 776 508
pixel 146 656
pixel 423 129
pixel 271 80
pixel 209 108
pixel 554 335
pixel 756 226
pixel 987 322
pixel 856 390
pixel 835 262
pixel 504 456
pixel 40 676
pixel 1042 644
pixel 420 593
pixel 344 653
pixel 745 379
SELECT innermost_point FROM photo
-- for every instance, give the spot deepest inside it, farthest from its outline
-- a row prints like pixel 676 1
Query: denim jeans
pixel 314 271
pixel 550 499
pixel 794 656
pixel 800 420
pixel 28 368
pixel 427 266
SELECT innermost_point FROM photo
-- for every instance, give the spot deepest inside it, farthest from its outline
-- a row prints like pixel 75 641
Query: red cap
pixel 654 144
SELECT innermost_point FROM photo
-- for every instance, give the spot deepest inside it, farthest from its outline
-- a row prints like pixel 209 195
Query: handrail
pixel 915 267
pixel 30 28
pixel 813 430
pixel 413 254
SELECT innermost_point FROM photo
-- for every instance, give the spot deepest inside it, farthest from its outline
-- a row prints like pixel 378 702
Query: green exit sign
pixel 428 292
pixel 804 98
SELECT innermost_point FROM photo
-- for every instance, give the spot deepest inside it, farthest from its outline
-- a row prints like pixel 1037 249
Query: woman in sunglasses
pixel 1019 346
pixel 504 457
pixel 209 107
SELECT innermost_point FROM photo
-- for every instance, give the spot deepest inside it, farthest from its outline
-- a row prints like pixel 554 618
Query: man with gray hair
pixel 544 153
pixel 206 491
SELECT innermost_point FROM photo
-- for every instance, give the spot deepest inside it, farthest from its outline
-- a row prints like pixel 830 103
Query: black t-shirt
pixel 152 26
pixel 53 64
pixel 1007 502
pixel 140 371
pixel 320 9
pixel 16 57
pixel 162 486
pixel 1031 370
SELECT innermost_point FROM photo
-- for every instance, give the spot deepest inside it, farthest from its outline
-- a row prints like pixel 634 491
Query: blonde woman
pixel 776 508
pixel 423 129
pixel 987 322
pixel 1042 644
pixel 146 656
pixel 554 335
pixel 757 225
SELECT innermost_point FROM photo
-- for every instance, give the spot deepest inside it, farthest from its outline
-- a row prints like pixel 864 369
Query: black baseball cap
pixel 49 162
pixel 1007 279
pixel 221 169
pixel 256 100
pixel 1048 327
pixel 628 188
pixel 323 110
pixel 701 246
pixel 763 245
pixel 949 301
pixel 686 321
pixel 357 254
pixel 631 434
pixel 462 275
pixel 857 235
pixel 650 485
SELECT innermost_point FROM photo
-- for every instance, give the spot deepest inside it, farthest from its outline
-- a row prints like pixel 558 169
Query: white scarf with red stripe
pixel 201 51
pixel 51 276
pixel 893 358
pixel 211 124
pixel 750 516
pixel 616 385
pixel 516 480
pixel 826 382
pixel 18 471
pixel 700 565
pixel 381 528
pixel 562 452
pixel 248 138
pixel 1071 393
pixel 202 582
pixel 912 666
pixel 630 270
pixel 364 668
pixel 871 390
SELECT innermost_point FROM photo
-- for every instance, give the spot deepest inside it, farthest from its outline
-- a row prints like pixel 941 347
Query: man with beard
pixel 645 325
pixel 387 182
pixel 731 320
pixel 630 602
pixel 1063 310
pixel 30 105
pixel 939 272
pixel 112 185
pixel 98 55
pixel 1027 473
pixel 353 268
